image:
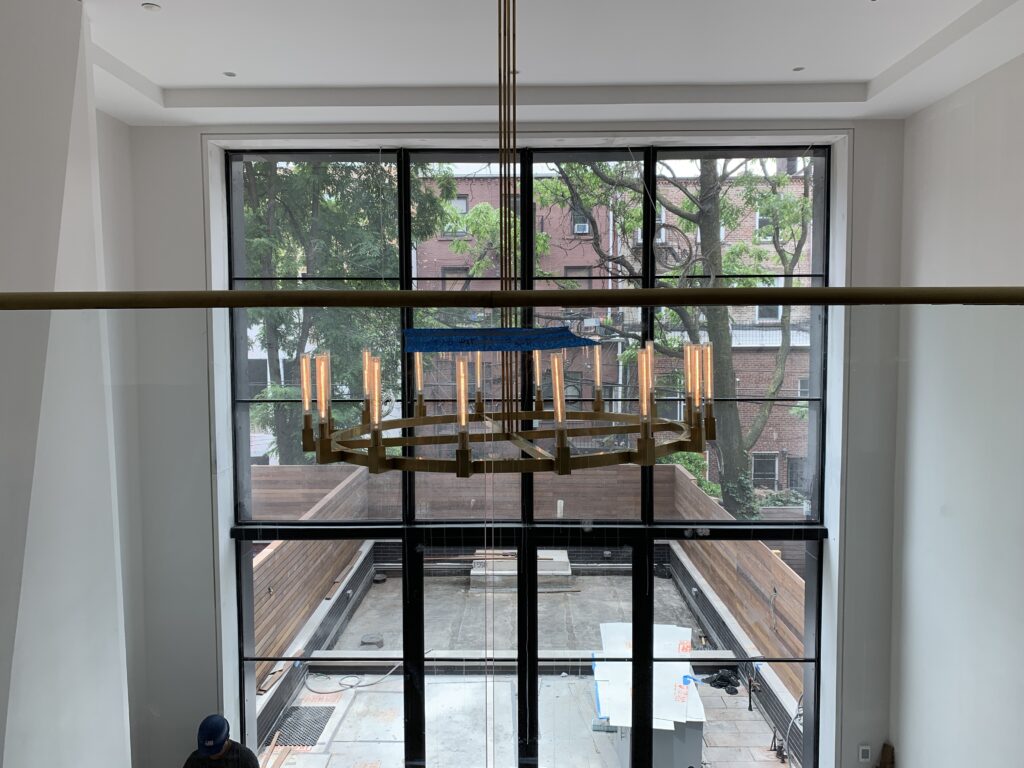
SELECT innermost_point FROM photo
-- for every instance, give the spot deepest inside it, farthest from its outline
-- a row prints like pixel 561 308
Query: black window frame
pixel 527 534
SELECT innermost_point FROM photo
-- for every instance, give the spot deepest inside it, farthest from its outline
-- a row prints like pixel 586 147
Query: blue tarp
pixel 491 339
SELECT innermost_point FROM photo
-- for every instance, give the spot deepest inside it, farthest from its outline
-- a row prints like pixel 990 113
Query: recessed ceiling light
pixel 230 74
pixel 799 69
pixel 151 7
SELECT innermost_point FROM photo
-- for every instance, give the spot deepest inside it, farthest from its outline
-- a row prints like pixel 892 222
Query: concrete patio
pixel 471 723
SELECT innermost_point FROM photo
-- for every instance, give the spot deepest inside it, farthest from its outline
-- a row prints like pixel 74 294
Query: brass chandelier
pixel 367 445
pixel 517 432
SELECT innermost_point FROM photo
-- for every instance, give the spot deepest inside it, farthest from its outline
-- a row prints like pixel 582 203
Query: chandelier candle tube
pixel 463 458
pixel 366 384
pixel 462 392
pixel 691 377
pixel 643 364
pixel 421 407
pixel 598 390
pixel 375 393
pixel 698 387
pixel 375 452
pixel 479 379
pixel 538 404
pixel 323 386
pixel 645 441
pixel 562 456
pixel 709 373
pixel 323 404
pixel 558 389
pixel 306 385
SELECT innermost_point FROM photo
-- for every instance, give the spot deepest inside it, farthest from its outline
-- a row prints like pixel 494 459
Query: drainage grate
pixel 302 726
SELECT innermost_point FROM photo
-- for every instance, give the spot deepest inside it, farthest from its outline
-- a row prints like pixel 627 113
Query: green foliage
pixel 482 224
pixel 697 465
pixel 789 497
pixel 282 421
pixel 746 505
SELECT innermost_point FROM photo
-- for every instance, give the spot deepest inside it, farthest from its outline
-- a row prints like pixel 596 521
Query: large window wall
pixel 723 544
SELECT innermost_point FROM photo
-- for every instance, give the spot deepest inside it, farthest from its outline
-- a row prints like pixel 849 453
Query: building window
pixel 796 473
pixel 580 223
pixel 659 226
pixel 454 278
pixel 457 228
pixel 764 227
pixel 770 313
pixel 764 470
pixel 581 276
pixel 803 387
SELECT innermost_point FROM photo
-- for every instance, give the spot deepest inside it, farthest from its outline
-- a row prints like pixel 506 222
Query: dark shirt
pixel 237 756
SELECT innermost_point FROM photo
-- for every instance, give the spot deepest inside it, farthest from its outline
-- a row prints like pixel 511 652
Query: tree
pixel 336 220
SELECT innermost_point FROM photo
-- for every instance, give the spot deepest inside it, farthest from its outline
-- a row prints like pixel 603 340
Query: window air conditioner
pixel 580 228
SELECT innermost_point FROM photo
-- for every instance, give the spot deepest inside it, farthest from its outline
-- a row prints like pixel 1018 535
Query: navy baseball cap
pixel 213 733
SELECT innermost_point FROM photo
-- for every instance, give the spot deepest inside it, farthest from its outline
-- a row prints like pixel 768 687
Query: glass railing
pixel 680 613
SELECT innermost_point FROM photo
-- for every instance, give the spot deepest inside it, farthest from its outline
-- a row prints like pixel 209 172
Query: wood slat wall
pixel 289 492
pixel 292 578
pixel 762 592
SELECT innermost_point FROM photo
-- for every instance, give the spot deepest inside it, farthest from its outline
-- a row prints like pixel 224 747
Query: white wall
pixel 181 662
pixel 60 554
pixel 959 613
pixel 859 502
pixel 114 156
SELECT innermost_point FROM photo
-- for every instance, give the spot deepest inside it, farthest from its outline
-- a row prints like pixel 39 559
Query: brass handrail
pixel 598 297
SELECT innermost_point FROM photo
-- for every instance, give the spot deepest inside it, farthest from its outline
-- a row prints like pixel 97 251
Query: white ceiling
pixel 306 60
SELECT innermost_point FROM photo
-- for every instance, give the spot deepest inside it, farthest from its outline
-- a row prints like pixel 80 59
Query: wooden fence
pixel 292 578
pixel 764 595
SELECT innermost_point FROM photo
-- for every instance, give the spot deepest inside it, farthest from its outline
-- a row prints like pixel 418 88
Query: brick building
pixel 569 259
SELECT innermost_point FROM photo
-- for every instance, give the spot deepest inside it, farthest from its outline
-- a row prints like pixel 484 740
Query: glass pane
pixel 761 352
pixel 374 626
pixel 276 480
pixel 736 598
pixel 577 703
pixel 315 215
pixel 588 216
pixel 471 717
pixel 455 217
pixel 776 478
pixel 585 715
pixel 302 595
pixel 482 496
pixel 603 493
pixel 584 601
pixel 732 714
pixel 469 602
pixel 268 343
pixel 740 214
pixel 460 317
pixel 352 713
pixel 470 642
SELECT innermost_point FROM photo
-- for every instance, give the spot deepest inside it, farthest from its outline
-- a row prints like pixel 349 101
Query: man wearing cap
pixel 216 750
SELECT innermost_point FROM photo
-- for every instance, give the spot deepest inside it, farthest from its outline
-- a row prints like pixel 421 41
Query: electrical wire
pixel 345 687
pixel 797 714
